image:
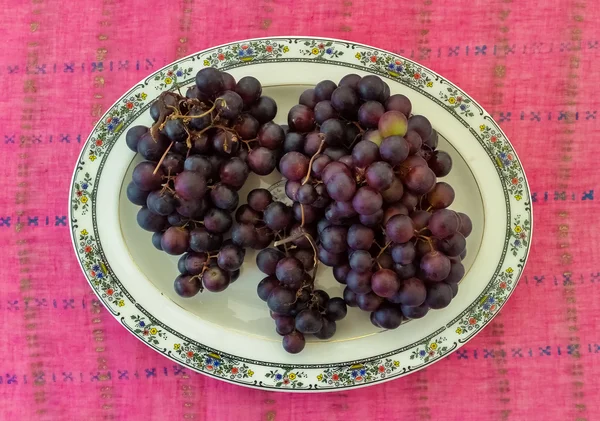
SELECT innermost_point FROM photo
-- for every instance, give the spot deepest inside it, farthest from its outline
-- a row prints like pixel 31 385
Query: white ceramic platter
pixel 230 335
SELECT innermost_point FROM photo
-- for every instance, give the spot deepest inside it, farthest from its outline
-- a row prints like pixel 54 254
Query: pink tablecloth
pixel 533 66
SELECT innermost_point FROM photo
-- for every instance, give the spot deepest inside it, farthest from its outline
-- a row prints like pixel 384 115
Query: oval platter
pixel 230 336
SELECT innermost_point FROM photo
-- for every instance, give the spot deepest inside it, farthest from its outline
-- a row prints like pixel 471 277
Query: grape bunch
pixel 364 171
pixel 198 154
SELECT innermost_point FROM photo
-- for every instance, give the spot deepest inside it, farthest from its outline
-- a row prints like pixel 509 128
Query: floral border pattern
pixel 202 359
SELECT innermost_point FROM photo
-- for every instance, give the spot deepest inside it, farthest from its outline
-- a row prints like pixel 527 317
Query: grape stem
pixel 383 249
pixel 162 158
pixel 302 212
pixel 312 159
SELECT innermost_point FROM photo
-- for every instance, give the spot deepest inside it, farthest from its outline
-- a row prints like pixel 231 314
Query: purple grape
pixel 414 312
pixel 190 185
pixel 192 209
pixel 224 197
pixel 271 136
pixel 351 80
pixel 369 114
pixel 420 219
pixel 341 272
pixel 312 143
pixel 335 309
pixel 465 225
pixel 281 300
pixel 369 301
pixel 136 195
pixel 360 261
pixel 394 150
pixel 404 253
pixel 327 330
pixel 379 175
pixel 333 168
pixel 203 241
pixel 215 279
pixel 230 257
pixel 365 153
pixel 306 194
pixel 399 229
pixel 291 189
pixel 259 199
pixel 161 203
pixel 393 210
pixel 294 166
pixel 340 187
pixel 338 211
pixel 267 259
pixel 173 163
pixel 306 256
pixel 228 81
pixel 134 135
pixel 229 105
pixel 324 111
pixel 266 286
pixel 330 259
pixel 201 119
pixel 244 235
pixel 443 223
pixel 347 160
pixel 195 262
pixel 453 245
pixel 394 192
pixel 412 292
pixel 414 142
pixel 421 125
pixel 371 88
pixel 262 161
pixel 441 196
pixel 385 261
pixel 323 199
pixel 290 272
pixel 175 130
pixel 308 98
pixel 277 216
pixel 234 173
pixel 217 221
pixel 264 109
pixel 457 272
pixel 372 220
pixel 245 214
pixel 405 271
pixel 151 221
pixel 399 102
pixel 345 102
pixel 334 238
pixel 360 237
pixel 264 237
pixel 209 81
pixel 301 118
pixel 439 295
pixel 187 286
pixel 223 143
pixel 385 283
pixel 294 342
pixel 319 165
pixel 435 266
pixel 311 214
pixel 440 163
pixel 367 201
pixel 294 141
pixel 333 131
pixel 350 297
pixel 144 178
pixel 359 283
pixel 420 180
pixel 388 317
pixel 249 89
pixel 324 90
pixel 309 321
